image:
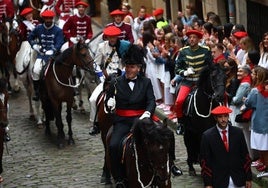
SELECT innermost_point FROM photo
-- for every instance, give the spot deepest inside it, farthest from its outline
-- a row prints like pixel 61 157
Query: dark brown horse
pixel 9 46
pixel 105 123
pixel 56 88
pixel 3 118
pixel 208 94
pixel 146 155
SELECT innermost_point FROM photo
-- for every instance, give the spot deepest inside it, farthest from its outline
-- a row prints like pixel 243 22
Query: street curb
pixel 262 182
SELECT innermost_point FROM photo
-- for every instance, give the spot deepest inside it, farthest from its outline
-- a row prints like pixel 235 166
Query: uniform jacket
pixel 66 7
pixel 197 59
pixel 48 38
pixel 126 31
pixel 218 164
pixel 26 27
pixel 6 9
pixel 77 26
pixel 103 53
pixel 141 98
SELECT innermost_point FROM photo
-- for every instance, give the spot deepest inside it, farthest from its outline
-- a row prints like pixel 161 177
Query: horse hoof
pixel 40 125
pixel 105 181
pixel 192 173
pixel 82 111
pixel 16 89
pixel 32 117
pixel 61 146
pixel 71 142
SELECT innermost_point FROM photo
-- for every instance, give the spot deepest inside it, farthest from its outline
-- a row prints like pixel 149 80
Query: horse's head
pixel 212 81
pixel 218 80
pixel 155 140
pixel 84 59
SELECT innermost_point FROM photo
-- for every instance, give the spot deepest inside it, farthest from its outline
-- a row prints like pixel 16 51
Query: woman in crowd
pixel 263 62
pixel 258 101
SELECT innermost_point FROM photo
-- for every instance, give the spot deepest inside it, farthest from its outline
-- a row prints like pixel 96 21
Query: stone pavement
pixel 35 161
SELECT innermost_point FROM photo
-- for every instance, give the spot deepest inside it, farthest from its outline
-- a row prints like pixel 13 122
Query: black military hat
pixel 134 55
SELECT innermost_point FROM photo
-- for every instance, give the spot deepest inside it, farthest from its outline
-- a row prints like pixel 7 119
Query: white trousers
pixel 93 101
pixel 37 69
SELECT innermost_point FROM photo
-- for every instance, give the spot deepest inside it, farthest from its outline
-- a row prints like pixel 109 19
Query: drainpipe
pixel 232 11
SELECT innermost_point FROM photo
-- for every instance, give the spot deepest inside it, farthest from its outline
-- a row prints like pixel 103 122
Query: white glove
pixel 87 41
pixel 37 48
pixel 62 14
pixel 44 1
pixel 49 52
pixel 146 114
pixel 111 103
pixel 74 40
pixel 189 71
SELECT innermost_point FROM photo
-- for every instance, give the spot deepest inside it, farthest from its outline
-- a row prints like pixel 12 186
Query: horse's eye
pixel 83 55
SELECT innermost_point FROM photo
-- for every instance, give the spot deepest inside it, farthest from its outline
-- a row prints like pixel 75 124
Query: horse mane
pixel 64 55
pixel 203 77
pixel 146 128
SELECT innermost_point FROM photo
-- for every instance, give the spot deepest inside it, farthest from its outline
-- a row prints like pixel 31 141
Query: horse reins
pixel 196 110
pixel 138 171
pixel 67 85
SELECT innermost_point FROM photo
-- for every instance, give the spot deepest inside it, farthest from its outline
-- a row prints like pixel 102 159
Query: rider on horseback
pixel 131 97
pixel 189 63
pixel 46 39
pixel 108 61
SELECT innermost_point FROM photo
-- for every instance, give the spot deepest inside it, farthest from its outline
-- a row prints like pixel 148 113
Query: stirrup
pixel 94 130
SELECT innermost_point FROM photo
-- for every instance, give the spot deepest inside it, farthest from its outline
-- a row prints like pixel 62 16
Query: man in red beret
pixel 126 30
pixel 160 20
pixel 65 9
pixel 225 159
pixel 26 54
pixel 190 62
pixel 46 39
pixel 78 26
pixel 108 61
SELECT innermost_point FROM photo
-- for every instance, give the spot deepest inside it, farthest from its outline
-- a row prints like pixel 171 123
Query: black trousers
pixel 119 132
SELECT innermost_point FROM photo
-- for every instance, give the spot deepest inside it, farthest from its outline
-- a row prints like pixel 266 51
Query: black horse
pixel 208 94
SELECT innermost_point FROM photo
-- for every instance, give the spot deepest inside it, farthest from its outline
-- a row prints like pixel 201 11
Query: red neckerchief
pixel 262 91
pixel 220 57
pixel 246 79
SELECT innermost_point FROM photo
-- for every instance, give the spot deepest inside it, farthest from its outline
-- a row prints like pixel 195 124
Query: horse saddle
pixel 126 142
pixel 188 105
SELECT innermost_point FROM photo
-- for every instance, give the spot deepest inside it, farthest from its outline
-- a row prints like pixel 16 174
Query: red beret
pixel 240 34
pixel 158 11
pixel 48 14
pixel 81 3
pixel 117 12
pixel 111 31
pixel 26 11
pixel 195 32
pixel 221 110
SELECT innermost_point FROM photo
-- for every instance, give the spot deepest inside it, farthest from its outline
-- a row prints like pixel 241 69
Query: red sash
pixel 132 113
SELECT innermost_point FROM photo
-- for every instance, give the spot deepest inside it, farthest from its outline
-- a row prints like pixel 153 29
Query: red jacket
pixel 6 9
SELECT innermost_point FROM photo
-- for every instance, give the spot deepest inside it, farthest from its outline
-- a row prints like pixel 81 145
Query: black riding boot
pixel 95 129
pixel 36 90
pixel 176 171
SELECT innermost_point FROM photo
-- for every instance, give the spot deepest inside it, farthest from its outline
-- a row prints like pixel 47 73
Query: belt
pixel 133 113
pixel 191 79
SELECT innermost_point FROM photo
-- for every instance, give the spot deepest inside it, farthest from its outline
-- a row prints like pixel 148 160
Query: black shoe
pixel 94 130
pixel 180 130
pixel 176 171
pixel 36 97
pixel 7 137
